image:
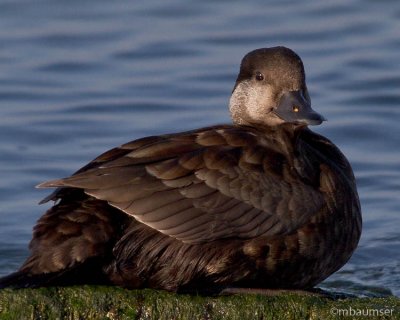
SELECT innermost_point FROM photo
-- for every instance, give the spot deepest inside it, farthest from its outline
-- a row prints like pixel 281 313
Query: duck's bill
pixel 293 107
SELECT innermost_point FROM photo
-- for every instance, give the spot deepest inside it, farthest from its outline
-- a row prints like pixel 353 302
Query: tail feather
pixel 19 280
pixel 12 280
pixel 85 273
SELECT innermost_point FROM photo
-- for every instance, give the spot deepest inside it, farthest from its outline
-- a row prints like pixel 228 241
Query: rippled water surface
pixel 79 77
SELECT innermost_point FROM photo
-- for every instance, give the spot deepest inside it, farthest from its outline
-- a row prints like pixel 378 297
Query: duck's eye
pixel 295 109
pixel 259 76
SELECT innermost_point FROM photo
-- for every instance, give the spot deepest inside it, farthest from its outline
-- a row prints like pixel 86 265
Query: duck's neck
pixel 284 136
pixel 289 130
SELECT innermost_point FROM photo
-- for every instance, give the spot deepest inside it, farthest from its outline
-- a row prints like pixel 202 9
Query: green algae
pixel 100 302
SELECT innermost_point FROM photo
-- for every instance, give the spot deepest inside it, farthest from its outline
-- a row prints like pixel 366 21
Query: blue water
pixel 79 77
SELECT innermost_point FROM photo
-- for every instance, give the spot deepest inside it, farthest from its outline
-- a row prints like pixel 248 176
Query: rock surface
pixel 98 302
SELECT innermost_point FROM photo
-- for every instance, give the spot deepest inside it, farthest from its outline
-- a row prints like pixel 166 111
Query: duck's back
pixel 224 205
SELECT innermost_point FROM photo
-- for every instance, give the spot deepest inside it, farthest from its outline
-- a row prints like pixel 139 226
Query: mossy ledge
pixel 99 302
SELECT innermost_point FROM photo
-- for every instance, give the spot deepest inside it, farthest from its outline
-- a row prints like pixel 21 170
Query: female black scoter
pixel 260 203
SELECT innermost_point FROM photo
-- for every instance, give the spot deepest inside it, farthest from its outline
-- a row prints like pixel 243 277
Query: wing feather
pixel 200 186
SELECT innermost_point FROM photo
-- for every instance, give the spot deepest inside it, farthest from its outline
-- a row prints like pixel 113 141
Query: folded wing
pixel 214 183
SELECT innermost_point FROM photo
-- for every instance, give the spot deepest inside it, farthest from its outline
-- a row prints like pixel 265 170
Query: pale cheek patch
pixel 249 102
pixel 258 103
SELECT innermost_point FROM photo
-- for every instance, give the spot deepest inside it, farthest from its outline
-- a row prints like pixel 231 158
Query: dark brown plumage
pixel 264 202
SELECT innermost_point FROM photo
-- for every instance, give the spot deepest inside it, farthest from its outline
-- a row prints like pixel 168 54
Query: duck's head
pixel 271 90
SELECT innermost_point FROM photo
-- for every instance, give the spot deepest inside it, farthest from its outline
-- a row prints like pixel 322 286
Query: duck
pixel 261 203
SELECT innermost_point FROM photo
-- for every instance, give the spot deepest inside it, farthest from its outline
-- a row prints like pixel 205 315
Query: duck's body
pixel 256 204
